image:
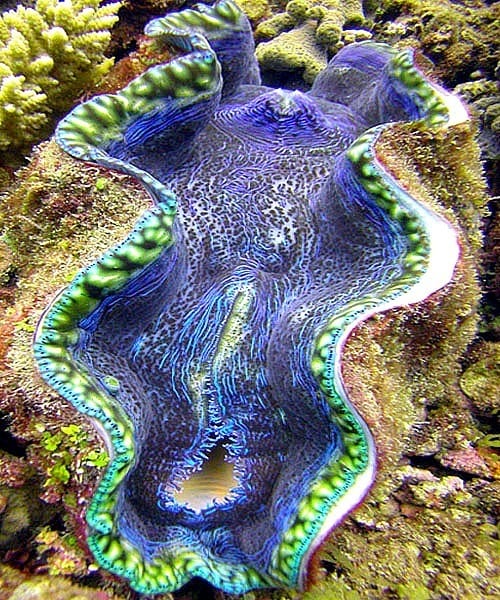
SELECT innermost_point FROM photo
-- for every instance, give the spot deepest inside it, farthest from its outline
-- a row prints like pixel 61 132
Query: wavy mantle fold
pixel 207 345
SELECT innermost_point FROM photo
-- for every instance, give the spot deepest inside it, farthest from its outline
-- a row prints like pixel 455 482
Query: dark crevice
pixel 333 568
pixel 487 423
pixel 289 80
pixel 490 303
pixel 430 463
pixel 9 443
pixel 125 50
pixel 57 523
pixel 196 589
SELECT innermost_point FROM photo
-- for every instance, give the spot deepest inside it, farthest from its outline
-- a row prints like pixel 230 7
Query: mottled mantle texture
pixel 414 384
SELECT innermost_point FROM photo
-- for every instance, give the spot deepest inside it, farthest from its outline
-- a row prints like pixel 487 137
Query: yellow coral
pixel 300 36
pixel 296 49
pixel 255 10
pixel 48 55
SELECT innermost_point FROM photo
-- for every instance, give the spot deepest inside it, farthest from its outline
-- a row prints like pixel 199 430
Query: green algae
pixel 68 449
pixel 481 380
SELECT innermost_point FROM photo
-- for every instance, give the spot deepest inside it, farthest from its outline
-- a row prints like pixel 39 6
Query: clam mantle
pixel 207 345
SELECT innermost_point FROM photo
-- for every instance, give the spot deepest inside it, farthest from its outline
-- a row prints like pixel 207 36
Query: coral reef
pixel 48 55
pixel 297 49
pixel 483 98
pixel 318 27
pixel 428 524
pixel 255 10
pixel 461 38
pixel 15 586
pixel 481 380
pixel 331 17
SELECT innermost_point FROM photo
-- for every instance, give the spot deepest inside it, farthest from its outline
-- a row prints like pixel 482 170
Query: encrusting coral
pixel 297 49
pixel 305 31
pixel 48 55
pixel 44 587
pixel 461 38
